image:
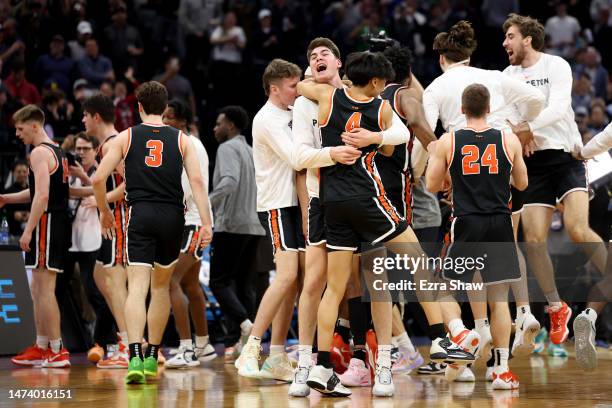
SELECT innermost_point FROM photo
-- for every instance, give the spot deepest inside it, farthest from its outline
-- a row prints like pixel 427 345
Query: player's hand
pixel 345 154
pixel 360 137
pixel 24 241
pixel 576 153
pixel 107 222
pixel 204 236
pixel 2 201
pixel 89 202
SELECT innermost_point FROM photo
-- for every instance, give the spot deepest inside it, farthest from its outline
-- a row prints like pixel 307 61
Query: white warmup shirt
pixel 86 232
pixel 192 216
pixel 600 143
pixel 272 154
pixel 554 128
pixel 442 98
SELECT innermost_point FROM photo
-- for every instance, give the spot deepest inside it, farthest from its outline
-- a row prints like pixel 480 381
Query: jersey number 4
pixel 156 150
pixel 472 159
pixel 353 122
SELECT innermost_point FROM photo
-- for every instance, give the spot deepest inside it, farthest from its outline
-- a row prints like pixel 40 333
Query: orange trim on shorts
pixel 275 227
pixel 408 200
pixel 42 241
pixel 119 235
pixel 194 241
pixel 382 198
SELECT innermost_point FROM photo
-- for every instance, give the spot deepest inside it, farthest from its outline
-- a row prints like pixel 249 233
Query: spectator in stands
pixel 106 89
pixel 123 41
pixel 583 93
pixel 406 25
pixel 582 120
pixel 237 228
pixel 177 85
pixel 562 30
pixel 7 107
pixel 228 41
pixel 94 67
pixel 55 68
pixel 58 114
pixel 265 40
pixel 19 87
pixel 598 119
pixel 77 47
pixel 598 74
pixel 11 46
pixel 125 106
pixel 17 214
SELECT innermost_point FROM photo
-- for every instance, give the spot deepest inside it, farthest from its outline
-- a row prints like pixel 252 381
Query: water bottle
pixel 4 232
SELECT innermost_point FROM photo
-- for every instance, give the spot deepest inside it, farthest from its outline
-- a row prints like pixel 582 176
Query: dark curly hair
pixel 458 43
pixel 401 60
pixel 361 67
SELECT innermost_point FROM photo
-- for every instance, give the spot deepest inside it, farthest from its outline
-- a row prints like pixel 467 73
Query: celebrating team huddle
pixel 338 166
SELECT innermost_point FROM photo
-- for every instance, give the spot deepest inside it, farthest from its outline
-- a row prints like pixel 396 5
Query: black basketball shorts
pixel 154 234
pixel 190 239
pixel 362 220
pixel 50 242
pixel 488 237
pixel 316 222
pixel 112 251
pixel 553 174
pixel 284 228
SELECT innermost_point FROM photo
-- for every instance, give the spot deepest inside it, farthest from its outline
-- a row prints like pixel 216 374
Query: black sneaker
pixel 326 382
pixel 444 350
pixel 432 368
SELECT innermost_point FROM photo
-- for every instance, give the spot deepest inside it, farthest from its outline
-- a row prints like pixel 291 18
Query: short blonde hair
pixel 279 69
pixel 29 113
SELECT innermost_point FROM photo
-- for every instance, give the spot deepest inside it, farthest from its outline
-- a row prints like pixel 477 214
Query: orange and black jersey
pixel 360 180
pixel 59 189
pixel 480 169
pixel 153 165
pixel 395 170
pixel 114 180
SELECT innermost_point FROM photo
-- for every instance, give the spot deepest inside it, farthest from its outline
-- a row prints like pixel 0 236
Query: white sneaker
pixel 466 375
pixel 248 362
pixel 205 353
pixel 527 328
pixel 486 342
pixel 277 367
pixel 298 387
pixel 326 382
pixel 383 382
pixel 185 358
pixel 453 371
pixel 489 374
pixel 584 334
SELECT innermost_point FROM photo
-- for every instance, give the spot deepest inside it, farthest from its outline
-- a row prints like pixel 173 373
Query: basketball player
pixel 356 207
pixel 154 157
pixel 99 121
pixel 481 193
pixel 46 236
pixel 277 206
pixel 584 324
pixel 441 100
pixel 187 271
pixel 554 175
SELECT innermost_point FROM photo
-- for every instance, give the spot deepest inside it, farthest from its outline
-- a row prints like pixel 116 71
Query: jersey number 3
pixel 156 150
pixel 472 159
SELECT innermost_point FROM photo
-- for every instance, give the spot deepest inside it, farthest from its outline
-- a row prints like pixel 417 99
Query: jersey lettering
pixel 353 122
pixel 471 156
pixel 156 150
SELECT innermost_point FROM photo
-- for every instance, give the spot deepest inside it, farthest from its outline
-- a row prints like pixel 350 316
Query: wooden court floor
pixel 545 382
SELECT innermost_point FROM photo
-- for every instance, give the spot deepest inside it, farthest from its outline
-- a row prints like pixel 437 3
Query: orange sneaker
pixel 372 351
pixel 468 340
pixel 340 354
pixel 95 354
pixel 505 381
pixel 30 357
pixel 55 360
pixel 118 358
pixel 558 323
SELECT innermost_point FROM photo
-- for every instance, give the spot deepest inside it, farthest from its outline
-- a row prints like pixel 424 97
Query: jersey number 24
pixel 473 160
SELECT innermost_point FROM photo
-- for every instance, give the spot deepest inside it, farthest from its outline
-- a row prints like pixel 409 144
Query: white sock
pixel 403 341
pixel 481 323
pixel 276 349
pixel 254 340
pixel 56 345
pixel 554 301
pixel 123 338
pixel 304 355
pixel 521 311
pixel 384 356
pixel 201 341
pixel 186 344
pixel 42 342
pixel 456 326
pixel 245 327
pixel 591 314
pixel 344 322
pixel 501 360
